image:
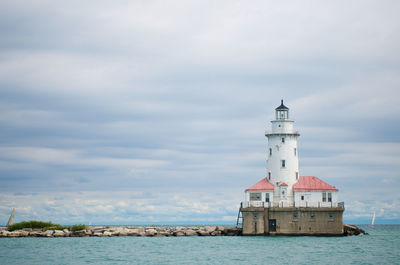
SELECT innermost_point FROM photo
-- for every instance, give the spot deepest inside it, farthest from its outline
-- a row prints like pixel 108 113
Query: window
pixel 312 216
pixel 283 140
pixel 329 197
pixel 324 197
pixel 270 151
pixel 283 163
pixel 295 152
pixel 266 197
pixel 255 196
pixel 295 215
pixel 330 216
pixel 269 175
pixel 302 197
pixel 297 175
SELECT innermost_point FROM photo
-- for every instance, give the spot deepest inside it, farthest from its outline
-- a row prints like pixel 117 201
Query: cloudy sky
pixel 131 112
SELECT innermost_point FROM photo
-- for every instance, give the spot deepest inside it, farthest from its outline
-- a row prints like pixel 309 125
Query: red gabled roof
pixel 263 184
pixel 283 184
pixel 312 183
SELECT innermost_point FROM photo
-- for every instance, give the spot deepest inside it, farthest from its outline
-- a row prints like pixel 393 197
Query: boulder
pixel 107 233
pixel 132 232
pixel 352 230
pixel 190 232
pixel 13 234
pixel 80 233
pixel 35 233
pixel 151 232
pixel 203 233
pixel 4 233
pixel 220 228
pixel 179 233
pixel 164 233
pixel 216 233
pixel 58 233
pixel 23 233
pixel 48 233
pixel 210 228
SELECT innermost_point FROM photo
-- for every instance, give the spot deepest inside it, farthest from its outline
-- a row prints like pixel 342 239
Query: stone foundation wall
pixel 292 221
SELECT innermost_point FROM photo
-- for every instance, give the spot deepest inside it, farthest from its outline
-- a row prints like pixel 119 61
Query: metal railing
pixel 282 204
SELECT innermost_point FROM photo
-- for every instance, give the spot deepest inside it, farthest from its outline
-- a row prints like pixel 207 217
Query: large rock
pixel 151 232
pixel 179 233
pixel 48 233
pixel 203 233
pixel 4 233
pixel 13 234
pixel 35 233
pixel 216 233
pixel 58 233
pixel 107 233
pixel 81 233
pixel 352 230
pixel 210 228
pixel 66 232
pixel 190 232
pixel 220 228
pixel 132 232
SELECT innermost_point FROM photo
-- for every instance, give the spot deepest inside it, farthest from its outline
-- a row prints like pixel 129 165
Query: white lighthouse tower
pixel 282 156
pixel 284 202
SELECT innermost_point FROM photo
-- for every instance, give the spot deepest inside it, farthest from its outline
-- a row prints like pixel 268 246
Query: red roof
pixel 283 184
pixel 312 183
pixel 262 185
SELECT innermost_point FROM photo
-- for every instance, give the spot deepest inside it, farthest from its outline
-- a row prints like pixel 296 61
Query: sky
pixel 154 112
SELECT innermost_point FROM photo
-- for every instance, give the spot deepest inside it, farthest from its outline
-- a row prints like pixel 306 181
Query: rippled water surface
pixel 382 246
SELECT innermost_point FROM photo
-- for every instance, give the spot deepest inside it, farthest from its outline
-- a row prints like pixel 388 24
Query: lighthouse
pixel 282 156
pixel 283 202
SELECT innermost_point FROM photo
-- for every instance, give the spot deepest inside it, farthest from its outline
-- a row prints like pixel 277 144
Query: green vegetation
pixel 45 226
pixel 75 228
pixel 30 224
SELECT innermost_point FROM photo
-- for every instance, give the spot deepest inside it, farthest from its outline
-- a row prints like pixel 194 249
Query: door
pixel 272 225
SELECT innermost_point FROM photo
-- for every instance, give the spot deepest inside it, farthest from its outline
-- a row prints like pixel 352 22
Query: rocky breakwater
pixel 101 231
pixel 352 230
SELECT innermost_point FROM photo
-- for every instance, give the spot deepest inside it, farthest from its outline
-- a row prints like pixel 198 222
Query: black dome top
pixel 282 107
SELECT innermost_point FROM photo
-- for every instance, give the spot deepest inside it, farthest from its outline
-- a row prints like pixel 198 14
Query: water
pixel 382 246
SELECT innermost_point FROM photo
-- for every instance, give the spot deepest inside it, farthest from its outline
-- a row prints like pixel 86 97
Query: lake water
pixel 382 246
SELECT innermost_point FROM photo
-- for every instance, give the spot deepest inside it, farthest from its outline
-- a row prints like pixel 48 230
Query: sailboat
pixel 11 220
pixel 373 219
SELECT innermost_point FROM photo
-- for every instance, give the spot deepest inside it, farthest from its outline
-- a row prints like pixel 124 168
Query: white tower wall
pixel 282 158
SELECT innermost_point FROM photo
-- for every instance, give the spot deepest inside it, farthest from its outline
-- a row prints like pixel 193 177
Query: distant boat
pixel 11 220
pixel 373 219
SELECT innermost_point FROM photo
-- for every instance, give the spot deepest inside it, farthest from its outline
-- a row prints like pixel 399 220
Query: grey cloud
pixel 144 96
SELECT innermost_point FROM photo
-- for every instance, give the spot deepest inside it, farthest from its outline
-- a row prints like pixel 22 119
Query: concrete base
pixel 292 221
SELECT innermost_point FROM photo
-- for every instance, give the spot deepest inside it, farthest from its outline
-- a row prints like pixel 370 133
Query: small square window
pixel 295 215
pixel 330 216
pixel 312 216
